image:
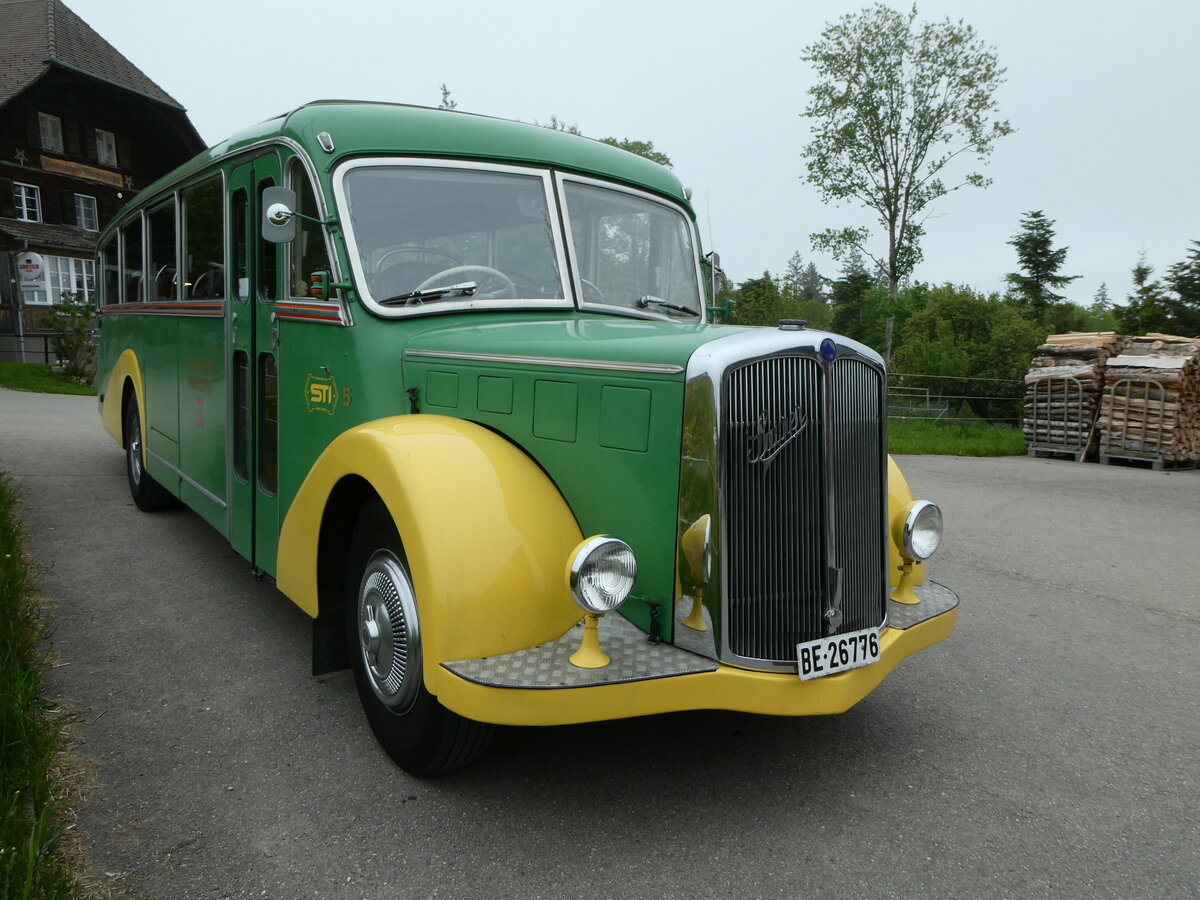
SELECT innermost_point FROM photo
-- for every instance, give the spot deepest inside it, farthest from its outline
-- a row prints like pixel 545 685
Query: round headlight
pixel 922 530
pixel 601 574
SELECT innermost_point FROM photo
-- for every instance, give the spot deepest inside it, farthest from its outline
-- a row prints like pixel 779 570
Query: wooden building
pixel 82 129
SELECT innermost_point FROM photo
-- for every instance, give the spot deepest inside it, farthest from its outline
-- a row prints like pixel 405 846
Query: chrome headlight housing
pixel 601 573
pixel 922 530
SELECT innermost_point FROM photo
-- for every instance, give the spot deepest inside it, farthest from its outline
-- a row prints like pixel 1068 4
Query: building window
pixel 29 202
pixel 85 213
pixel 106 148
pixel 51 128
pixel 65 275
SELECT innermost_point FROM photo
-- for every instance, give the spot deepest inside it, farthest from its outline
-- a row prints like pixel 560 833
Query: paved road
pixel 1049 748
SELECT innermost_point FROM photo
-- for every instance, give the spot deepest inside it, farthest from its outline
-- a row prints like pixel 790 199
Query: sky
pixel 1102 94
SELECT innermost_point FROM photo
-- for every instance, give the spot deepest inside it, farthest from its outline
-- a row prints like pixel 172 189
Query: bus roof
pixel 360 128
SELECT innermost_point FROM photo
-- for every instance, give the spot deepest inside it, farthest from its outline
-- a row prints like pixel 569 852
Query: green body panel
pixel 610 440
pixel 203 404
pixel 182 360
pixel 160 368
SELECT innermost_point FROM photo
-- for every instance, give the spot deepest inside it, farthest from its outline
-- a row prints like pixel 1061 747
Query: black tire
pixel 384 636
pixel 148 495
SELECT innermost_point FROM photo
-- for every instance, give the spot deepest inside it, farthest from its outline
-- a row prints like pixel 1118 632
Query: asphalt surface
pixel 1050 747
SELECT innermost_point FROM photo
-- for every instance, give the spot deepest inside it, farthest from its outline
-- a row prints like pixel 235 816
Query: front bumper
pixel 538 686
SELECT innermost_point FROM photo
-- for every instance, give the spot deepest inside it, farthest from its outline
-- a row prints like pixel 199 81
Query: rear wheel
pixel 384 633
pixel 147 493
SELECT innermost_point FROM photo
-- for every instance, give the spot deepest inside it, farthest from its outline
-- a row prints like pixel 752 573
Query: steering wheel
pixel 379 266
pixel 591 293
pixel 493 284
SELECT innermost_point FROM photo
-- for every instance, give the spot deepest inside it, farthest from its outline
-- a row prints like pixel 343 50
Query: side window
pixel 131 238
pixel 110 264
pixel 204 240
pixel 241 413
pixel 164 277
pixel 268 424
pixel 241 266
pixel 308 253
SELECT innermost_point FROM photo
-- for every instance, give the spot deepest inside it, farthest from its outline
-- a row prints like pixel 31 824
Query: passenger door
pixel 253 470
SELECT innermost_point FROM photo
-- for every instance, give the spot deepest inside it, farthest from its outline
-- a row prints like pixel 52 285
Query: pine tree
pixel 1040 263
pixel 812 285
pixel 1184 279
pixel 1146 308
pixel 793 277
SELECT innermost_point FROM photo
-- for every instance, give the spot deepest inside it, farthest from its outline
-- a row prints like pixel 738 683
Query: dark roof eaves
pixel 170 103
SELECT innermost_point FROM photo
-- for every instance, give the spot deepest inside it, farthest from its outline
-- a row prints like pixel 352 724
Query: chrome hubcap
pixel 388 634
pixel 135 458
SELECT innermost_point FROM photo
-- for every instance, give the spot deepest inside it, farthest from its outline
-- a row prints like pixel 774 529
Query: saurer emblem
pixel 773 433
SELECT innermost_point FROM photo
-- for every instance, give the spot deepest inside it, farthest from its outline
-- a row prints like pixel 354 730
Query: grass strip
pixel 944 439
pixel 29 870
pixel 39 378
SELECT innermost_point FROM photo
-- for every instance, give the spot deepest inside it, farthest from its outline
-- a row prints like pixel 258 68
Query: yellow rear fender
pixel 485 532
pixel 900 495
pixel 112 412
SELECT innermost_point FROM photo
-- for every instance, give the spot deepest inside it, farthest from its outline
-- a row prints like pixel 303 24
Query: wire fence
pixel 952 399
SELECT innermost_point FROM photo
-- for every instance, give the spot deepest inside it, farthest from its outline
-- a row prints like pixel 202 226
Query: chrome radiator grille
pixel 804 502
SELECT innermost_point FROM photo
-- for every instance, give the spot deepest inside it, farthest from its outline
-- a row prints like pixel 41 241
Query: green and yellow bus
pixel 451 382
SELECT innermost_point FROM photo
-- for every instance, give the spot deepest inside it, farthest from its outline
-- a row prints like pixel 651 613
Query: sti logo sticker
pixel 320 393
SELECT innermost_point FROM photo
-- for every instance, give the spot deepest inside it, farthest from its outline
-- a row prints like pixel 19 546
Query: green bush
pixel 72 319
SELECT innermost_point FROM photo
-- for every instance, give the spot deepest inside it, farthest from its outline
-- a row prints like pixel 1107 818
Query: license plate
pixel 840 653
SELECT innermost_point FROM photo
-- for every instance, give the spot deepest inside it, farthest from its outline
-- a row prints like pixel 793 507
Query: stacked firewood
pixel 1063 389
pixel 1151 403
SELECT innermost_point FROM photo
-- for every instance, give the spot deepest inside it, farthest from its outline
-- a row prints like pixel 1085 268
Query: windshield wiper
pixel 649 300
pixel 466 289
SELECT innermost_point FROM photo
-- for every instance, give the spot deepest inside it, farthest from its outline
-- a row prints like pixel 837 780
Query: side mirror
pixel 279 215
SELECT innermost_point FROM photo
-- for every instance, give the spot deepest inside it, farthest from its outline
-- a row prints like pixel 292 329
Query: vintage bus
pixel 453 384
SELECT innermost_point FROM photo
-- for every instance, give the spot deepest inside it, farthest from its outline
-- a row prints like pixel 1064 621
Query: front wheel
pixel 384 634
pixel 148 495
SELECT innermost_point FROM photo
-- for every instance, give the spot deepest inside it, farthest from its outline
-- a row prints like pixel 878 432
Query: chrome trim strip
pixel 184 477
pixel 604 365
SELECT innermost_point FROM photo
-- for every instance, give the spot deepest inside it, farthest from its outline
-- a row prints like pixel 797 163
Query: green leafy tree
pixel 557 124
pixel 978 346
pixel 446 103
pixel 641 148
pixel 814 313
pixel 856 302
pixel 1040 264
pixel 895 103
pixel 758 301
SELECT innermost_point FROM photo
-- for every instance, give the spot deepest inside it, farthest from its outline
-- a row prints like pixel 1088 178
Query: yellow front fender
pixel 111 415
pixel 900 495
pixel 485 531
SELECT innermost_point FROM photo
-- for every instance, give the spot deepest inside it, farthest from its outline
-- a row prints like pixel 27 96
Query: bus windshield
pixel 420 228
pixel 631 251
pixel 428 234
